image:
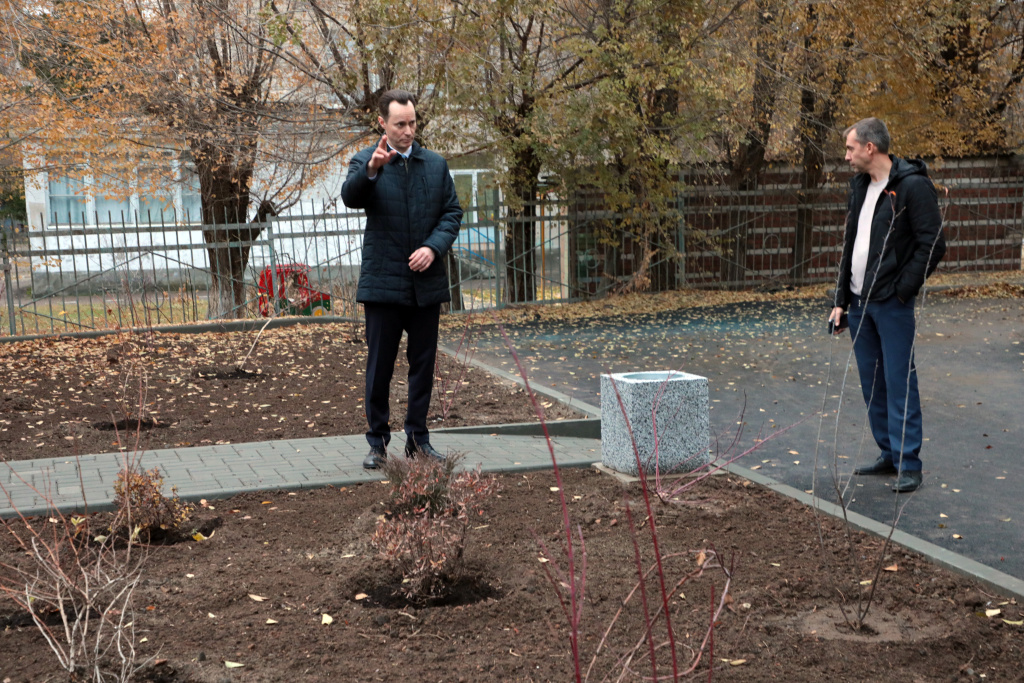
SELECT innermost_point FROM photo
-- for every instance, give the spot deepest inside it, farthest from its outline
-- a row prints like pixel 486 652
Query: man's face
pixel 858 155
pixel 400 126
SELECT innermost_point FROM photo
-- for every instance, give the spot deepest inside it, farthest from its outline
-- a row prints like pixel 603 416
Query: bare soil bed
pixel 307 555
pixel 64 397
pixel 256 592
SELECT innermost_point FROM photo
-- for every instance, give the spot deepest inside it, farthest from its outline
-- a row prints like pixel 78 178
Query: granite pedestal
pixel 667 412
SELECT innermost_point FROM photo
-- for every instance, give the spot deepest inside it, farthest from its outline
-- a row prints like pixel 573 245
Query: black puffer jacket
pixel 906 234
pixel 411 204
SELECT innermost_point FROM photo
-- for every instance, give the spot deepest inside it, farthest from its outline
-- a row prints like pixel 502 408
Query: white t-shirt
pixel 862 243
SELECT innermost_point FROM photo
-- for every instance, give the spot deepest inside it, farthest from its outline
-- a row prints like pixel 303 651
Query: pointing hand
pixel 381 156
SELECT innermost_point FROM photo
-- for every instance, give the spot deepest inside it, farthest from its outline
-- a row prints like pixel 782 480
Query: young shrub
pixel 79 593
pixel 142 508
pixel 423 530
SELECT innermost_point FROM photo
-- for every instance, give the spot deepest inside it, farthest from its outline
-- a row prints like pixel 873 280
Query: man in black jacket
pixel 412 220
pixel 893 243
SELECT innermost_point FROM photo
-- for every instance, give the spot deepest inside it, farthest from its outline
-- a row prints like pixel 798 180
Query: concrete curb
pixel 994 579
pixel 589 428
pixel 247 325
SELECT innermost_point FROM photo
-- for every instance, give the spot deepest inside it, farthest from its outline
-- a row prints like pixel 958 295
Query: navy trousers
pixel 883 342
pixel 384 326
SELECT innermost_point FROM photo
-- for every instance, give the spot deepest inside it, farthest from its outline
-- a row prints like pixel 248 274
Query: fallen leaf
pixel 794 452
pixel 1014 623
pixel 542 560
pixel 211 615
pixel 943 516
pixel 554 489
pixel 233 665
pixel 993 613
pixel 199 536
pixel 271 621
pixel 361 596
pixel 737 662
pixel 892 568
pixel 326 619
pixel 257 598
pixel 957 536
pixel 866 582
pixel 775 564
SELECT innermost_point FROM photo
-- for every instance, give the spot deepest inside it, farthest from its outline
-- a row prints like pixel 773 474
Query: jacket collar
pixel 415 152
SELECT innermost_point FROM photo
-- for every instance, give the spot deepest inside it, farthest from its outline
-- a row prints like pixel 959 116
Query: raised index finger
pixel 383 144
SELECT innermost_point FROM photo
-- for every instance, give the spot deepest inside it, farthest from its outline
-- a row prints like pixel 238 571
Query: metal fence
pixel 89 275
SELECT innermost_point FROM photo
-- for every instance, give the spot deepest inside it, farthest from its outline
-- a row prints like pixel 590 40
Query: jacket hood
pixel 901 168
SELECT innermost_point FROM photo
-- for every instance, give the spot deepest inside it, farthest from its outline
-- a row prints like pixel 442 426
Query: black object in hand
pixel 844 322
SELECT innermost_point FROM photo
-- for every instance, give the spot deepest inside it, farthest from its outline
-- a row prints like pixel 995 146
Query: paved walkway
pixel 34 487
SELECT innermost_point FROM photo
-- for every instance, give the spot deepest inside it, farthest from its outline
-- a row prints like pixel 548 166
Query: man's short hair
pixel 396 95
pixel 871 130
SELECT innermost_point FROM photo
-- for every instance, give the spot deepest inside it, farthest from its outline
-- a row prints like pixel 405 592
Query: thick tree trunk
pixel 520 235
pixel 224 189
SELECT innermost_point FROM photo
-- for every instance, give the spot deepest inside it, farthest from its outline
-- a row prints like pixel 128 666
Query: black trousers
pixel 384 326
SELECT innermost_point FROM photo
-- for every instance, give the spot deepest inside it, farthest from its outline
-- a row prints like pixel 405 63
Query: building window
pixel 155 205
pixel 68 202
pixel 113 203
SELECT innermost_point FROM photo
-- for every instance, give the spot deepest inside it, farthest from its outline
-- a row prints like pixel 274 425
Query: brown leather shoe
pixel 880 466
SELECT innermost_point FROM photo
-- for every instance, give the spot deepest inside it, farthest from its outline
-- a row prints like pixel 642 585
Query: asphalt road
pixel 773 368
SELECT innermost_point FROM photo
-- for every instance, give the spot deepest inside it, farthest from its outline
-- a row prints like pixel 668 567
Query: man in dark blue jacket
pixel 412 220
pixel 893 243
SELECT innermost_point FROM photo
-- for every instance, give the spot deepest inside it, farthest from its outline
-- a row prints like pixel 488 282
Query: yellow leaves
pixel 233 665
pixel 256 598
pixel 326 619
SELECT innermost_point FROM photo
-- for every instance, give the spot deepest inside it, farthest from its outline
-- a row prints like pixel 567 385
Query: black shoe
pixel 375 458
pixel 880 466
pixel 424 449
pixel 908 481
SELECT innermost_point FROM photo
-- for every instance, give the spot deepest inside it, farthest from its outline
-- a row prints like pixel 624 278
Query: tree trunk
pixel 750 157
pixel 454 281
pixel 817 116
pixel 520 235
pixel 224 189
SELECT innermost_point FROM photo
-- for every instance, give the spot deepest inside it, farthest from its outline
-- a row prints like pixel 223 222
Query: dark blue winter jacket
pixel 410 204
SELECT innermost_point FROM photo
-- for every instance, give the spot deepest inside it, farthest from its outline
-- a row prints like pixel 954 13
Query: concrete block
pixel 668 414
